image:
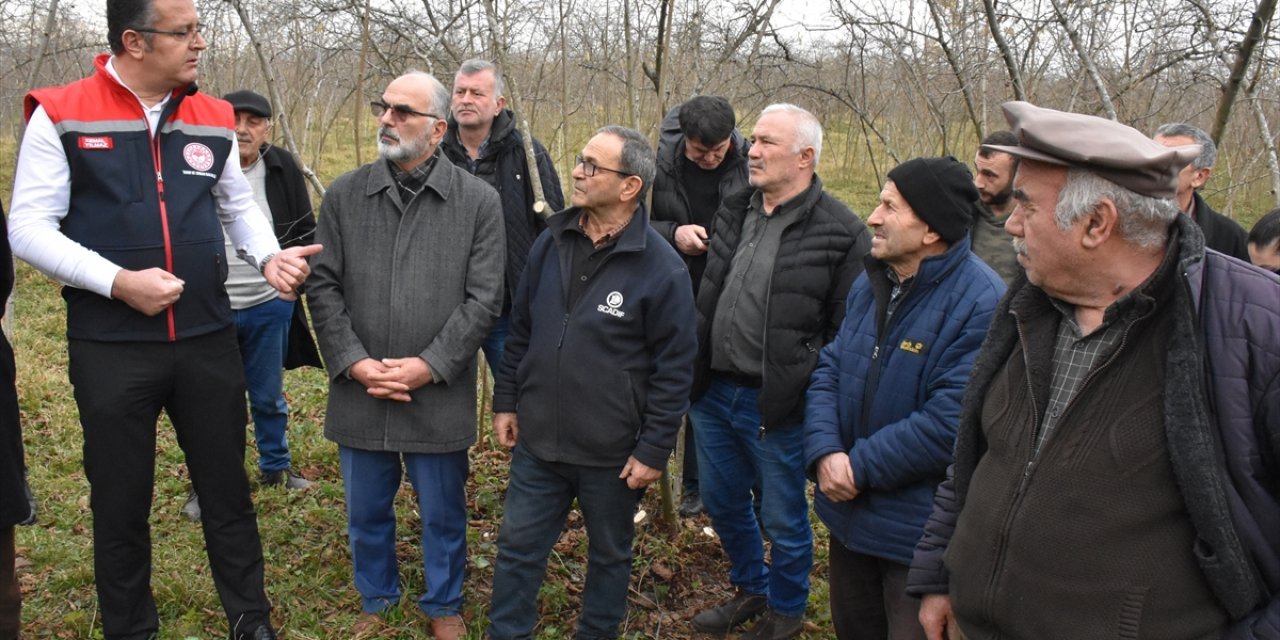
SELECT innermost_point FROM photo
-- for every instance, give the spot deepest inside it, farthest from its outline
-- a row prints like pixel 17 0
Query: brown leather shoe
pixel 367 625
pixel 448 628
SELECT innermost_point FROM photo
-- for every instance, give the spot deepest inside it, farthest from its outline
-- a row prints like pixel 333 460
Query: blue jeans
pixel 495 344
pixel 263 332
pixel 371 480
pixel 538 499
pixel 730 450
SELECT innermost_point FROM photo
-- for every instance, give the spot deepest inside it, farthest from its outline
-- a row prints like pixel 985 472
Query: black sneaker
pixel 774 626
pixel 263 632
pixel 284 477
pixel 741 608
pixel 691 505
pixel 32 505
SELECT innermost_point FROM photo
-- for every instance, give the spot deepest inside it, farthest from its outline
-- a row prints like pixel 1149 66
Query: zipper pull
pixel 875 353
pixel 564 328
pixel 761 433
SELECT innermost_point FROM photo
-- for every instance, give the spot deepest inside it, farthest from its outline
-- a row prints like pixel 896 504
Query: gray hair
pixel 476 65
pixel 1144 221
pixel 440 96
pixel 1208 150
pixel 637 156
pixel 808 129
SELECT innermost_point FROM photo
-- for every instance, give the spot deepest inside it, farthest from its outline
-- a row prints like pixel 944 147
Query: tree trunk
pixel 274 92
pixel 50 22
pixel 1006 53
pixel 357 131
pixel 513 98
pixel 954 62
pixel 1231 88
pixel 1086 59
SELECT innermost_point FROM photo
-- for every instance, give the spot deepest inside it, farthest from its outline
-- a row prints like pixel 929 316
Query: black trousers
pixel 120 388
pixel 10 594
pixel 869 598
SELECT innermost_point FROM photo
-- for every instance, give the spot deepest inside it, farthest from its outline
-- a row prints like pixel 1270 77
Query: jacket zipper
pixel 164 218
pixel 1003 539
pixel 764 335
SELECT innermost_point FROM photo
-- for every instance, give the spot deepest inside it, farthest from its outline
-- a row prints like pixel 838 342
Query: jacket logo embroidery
pixel 611 304
pixel 912 346
pixel 198 156
pixel 96 142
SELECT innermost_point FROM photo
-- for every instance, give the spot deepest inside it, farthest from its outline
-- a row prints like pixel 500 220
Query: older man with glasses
pixel 592 386
pixel 400 305
pixel 125 183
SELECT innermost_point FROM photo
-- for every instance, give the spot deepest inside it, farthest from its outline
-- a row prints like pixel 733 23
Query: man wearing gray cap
pixel 883 403
pixel 1116 461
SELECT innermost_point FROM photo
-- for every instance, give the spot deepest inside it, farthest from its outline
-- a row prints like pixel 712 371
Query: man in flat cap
pixel 884 402
pixel 1116 463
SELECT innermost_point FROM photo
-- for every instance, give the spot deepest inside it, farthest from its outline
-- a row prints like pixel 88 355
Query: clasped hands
pixel 391 378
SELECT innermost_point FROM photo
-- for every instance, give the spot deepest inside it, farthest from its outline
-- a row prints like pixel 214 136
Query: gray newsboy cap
pixel 1109 149
pixel 245 100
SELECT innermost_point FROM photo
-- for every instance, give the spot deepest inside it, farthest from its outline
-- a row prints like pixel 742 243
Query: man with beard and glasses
pixel 409 291
pixel 993 177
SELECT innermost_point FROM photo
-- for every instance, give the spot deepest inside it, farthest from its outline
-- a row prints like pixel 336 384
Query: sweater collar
pixel 440 180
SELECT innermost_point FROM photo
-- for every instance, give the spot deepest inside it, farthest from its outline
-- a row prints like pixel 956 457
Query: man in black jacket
pixel 483 139
pixel 701 159
pixel 1220 232
pixel 780 263
pixel 592 386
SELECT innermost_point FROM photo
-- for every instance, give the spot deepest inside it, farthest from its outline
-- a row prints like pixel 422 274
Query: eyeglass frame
pixel 401 112
pixel 590 168
pixel 181 36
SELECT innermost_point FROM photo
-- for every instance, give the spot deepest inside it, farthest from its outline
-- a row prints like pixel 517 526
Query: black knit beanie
pixel 941 192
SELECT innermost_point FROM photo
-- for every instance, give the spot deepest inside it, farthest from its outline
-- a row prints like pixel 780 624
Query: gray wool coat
pixel 426 283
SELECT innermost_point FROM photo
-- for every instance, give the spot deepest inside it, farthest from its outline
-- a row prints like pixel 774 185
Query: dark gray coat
pixel 428 284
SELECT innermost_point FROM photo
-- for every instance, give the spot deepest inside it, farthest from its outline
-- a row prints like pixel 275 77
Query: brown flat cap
pixel 1109 149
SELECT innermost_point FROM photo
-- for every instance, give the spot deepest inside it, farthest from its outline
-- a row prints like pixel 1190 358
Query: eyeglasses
pixel 399 112
pixel 590 168
pixel 185 35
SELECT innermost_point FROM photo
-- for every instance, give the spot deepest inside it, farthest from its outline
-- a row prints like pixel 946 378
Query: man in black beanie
pixel 884 401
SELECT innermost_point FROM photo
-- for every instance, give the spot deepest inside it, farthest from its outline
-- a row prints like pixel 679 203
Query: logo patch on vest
pixel 912 346
pixel 611 304
pixel 96 142
pixel 198 156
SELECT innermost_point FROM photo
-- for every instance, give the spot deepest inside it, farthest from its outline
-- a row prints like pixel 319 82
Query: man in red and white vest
pixel 122 192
